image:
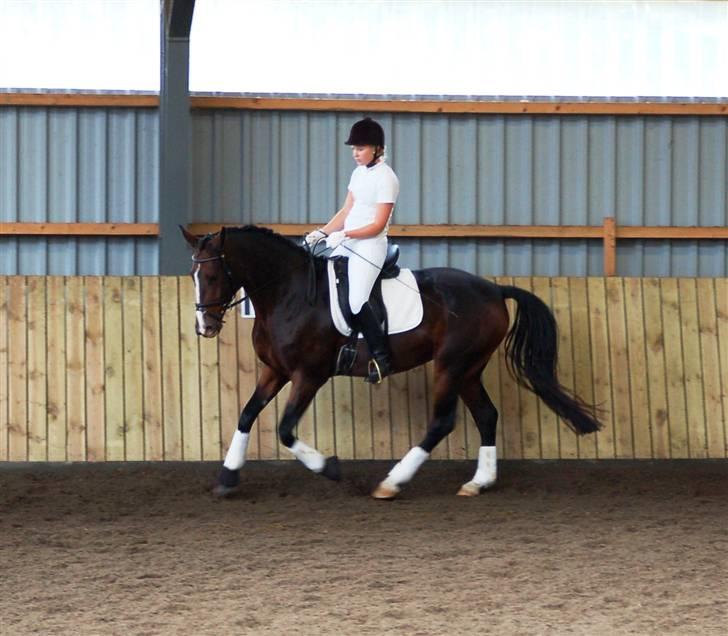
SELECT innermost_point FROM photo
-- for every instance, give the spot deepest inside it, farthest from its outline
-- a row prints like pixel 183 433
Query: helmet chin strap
pixel 377 156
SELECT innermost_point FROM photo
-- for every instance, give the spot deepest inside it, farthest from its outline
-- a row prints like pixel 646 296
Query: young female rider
pixel 359 231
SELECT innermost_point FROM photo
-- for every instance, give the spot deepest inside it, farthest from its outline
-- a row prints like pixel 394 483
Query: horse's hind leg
pixel 486 419
pixel 443 422
pixel 269 384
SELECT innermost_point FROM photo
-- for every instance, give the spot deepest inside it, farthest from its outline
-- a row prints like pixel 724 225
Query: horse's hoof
pixel 383 491
pixel 223 492
pixel 469 490
pixel 332 470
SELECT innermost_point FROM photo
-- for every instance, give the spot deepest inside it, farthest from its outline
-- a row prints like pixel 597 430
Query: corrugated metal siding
pixel 569 170
pixel 95 164
pixel 79 165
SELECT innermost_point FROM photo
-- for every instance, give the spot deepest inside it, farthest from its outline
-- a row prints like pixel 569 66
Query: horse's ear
pixel 222 236
pixel 191 239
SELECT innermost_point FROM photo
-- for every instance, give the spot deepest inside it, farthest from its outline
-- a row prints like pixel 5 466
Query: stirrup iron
pixel 375 373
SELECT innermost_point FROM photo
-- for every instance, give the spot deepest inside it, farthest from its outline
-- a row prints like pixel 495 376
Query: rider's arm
pixel 337 221
pixel 373 229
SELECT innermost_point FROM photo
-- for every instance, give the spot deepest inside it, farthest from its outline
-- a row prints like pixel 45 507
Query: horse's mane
pixel 278 239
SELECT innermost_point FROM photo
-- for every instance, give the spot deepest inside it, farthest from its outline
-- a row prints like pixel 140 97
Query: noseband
pixel 203 307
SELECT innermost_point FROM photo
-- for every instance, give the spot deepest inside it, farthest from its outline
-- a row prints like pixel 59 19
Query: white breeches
pixel 365 262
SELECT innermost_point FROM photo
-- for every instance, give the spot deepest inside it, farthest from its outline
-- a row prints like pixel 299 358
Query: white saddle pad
pixel 401 297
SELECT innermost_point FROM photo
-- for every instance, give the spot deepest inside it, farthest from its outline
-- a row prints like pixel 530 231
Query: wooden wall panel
pixel 109 368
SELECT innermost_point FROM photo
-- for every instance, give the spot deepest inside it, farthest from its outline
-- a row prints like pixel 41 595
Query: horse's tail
pixel 531 354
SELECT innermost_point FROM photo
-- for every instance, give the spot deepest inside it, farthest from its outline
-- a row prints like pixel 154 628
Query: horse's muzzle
pixel 208 331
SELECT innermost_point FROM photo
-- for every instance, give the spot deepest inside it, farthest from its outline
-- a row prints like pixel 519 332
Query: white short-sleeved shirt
pixel 371 186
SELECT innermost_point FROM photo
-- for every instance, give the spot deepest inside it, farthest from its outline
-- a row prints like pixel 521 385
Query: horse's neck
pixel 266 267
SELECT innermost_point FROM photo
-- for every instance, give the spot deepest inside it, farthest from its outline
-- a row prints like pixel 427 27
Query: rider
pixel 359 231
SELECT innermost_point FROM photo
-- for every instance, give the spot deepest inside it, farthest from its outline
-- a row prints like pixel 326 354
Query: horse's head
pixel 214 284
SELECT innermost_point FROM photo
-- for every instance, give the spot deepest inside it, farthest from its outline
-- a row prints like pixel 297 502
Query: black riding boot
pixel 380 365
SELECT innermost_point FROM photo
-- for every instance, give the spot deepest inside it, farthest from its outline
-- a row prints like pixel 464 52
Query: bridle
pixel 204 307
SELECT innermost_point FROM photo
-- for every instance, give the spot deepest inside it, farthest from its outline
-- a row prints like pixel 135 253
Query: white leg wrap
pixel 309 457
pixel 235 457
pixel 406 468
pixel 487 467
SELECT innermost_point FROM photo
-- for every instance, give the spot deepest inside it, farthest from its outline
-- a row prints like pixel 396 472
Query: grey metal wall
pixel 78 165
pixel 568 170
pixel 96 164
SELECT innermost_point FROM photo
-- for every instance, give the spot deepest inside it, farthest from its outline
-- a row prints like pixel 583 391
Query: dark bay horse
pixel 465 319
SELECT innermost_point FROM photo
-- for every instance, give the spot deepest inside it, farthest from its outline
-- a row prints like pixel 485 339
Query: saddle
pixel 390 269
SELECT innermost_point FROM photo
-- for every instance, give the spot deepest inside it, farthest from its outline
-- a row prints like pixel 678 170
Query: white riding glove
pixel 314 237
pixel 335 239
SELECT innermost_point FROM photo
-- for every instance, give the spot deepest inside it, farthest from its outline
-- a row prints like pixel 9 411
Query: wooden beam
pixel 462 107
pixel 79 100
pixel 79 229
pixel 505 231
pixel 674 232
pixel 507 107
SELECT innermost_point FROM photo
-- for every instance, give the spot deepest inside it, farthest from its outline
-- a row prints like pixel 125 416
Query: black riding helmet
pixel 366 132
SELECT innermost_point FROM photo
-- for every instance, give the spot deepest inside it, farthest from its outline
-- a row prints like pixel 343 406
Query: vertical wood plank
pixel 581 350
pixel 133 368
pixel 549 422
pixel 95 390
pixel 4 364
pixel 455 445
pixel 510 408
pixel 619 357
pixel 268 426
pixel 190 373
pixel 153 415
pixel 114 369
pixel 697 437
pixel 601 370
pixel 18 371
pixel 721 302
pixel 381 421
pixel 76 369
pixel 363 438
pixel 229 399
pixel 707 316
pixel 210 398
pixel 610 246
pixel 37 397
pixel 399 411
pixel 281 402
pixel 638 371
pixel 568 445
pixel 344 416
pixel 417 406
pixel 324 410
pixel 492 383
pixel 247 367
pixel 675 370
pixel 171 372
pixel 56 375
pixel 529 406
pixel 655 342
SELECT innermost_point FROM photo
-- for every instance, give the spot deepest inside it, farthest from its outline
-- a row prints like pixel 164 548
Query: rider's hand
pixel 314 237
pixel 335 239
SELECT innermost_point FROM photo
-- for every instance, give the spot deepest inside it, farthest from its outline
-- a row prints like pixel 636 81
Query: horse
pixel 465 319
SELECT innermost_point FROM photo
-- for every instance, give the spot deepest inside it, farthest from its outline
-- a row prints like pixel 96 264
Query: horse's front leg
pixel 269 384
pixel 303 390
